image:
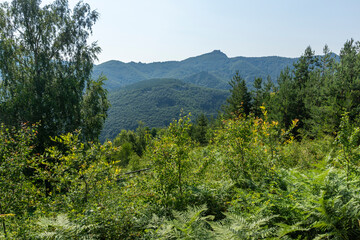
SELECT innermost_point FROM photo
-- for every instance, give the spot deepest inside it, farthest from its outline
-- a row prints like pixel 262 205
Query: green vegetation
pixel 212 70
pixel 281 162
pixel 251 181
pixel 240 98
pixel 157 102
pixel 46 64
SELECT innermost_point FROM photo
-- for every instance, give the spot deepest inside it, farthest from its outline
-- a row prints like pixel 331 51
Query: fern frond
pixel 286 229
pixel 239 227
pixel 62 228
pixel 189 224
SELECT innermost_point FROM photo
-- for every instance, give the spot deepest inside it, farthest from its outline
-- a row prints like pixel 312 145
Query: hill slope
pixel 216 65
pixel 156 102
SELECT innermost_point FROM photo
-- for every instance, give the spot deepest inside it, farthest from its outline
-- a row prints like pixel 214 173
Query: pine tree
pixel 239 101
pixel 258 97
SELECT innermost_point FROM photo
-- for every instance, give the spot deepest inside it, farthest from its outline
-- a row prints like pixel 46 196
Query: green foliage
pixel 132 145
pixel 78 170
pixel 256 183
pixel 347 81
pixel 46 63
pixel 239 101
pixel 321 97
pixel 62 228
pixel 348 140
pixel 19 194
pixel 283 104
pixel 239 177
pixel 189 224
pixel 237 227
pixel 251 146
pixel 334 211
pixel 94 108
pixel 317 91
pixel 307 153
pixel 170 161
pixel 259 95
pixel 199 130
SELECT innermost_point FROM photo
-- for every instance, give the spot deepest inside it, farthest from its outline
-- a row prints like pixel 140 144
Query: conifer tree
pixel 320 96
pixel 258 96
pixel 239 101
pixel 199 130
pixel 283 106
pixel 347 83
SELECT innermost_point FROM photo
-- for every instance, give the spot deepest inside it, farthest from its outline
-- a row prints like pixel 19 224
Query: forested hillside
pixel 281 161
pixel 157 102
pixel 157 107
pixel 209 70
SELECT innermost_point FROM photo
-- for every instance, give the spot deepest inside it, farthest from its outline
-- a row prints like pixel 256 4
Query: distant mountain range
pixel 212 70
pixel 157 102
pixel 155 93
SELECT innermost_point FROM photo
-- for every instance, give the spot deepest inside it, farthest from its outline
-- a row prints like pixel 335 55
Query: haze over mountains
pixel 156 93
pixel 212 70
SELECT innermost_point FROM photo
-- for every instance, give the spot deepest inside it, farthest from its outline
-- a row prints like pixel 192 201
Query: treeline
pixel 317 92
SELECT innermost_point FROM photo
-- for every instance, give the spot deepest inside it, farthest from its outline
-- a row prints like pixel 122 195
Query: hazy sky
pixel 162 30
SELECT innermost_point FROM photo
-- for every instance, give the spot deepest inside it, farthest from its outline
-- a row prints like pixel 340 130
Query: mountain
pixel 156 102
pixel 206 79
pixel 212 69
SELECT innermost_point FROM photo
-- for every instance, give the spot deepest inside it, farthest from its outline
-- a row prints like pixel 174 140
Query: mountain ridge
pixel 215 63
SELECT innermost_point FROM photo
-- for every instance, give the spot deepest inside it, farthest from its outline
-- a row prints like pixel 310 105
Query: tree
pixel 240 98
pixel 320 98
pixel 94 108
pixel 303 70
pixel 170 162
pixel 303 67
pixel 18 192
pixel 347 83
pixel 46 64
pixel 284 103
pixel 198 131
pixel 258 96
pixel 292 91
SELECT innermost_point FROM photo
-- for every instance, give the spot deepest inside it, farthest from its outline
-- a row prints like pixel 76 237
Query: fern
pixel 334 211
pixel 189 224
pixel 62 228
pixel 238 227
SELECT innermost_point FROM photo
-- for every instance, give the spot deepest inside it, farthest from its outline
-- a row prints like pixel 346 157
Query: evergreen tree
pixel 289 102
pixel 302 71
pixel 319 96
pixel 239 101
pixel 258 95
pixel 303 67
pixel 284 103
pixel 198 131
pixel 347 85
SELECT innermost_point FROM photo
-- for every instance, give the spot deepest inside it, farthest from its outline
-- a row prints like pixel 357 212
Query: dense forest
pixel 156 102
pixel 280 161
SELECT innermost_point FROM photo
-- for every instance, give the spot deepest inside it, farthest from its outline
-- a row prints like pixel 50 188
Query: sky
pixel 162 30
